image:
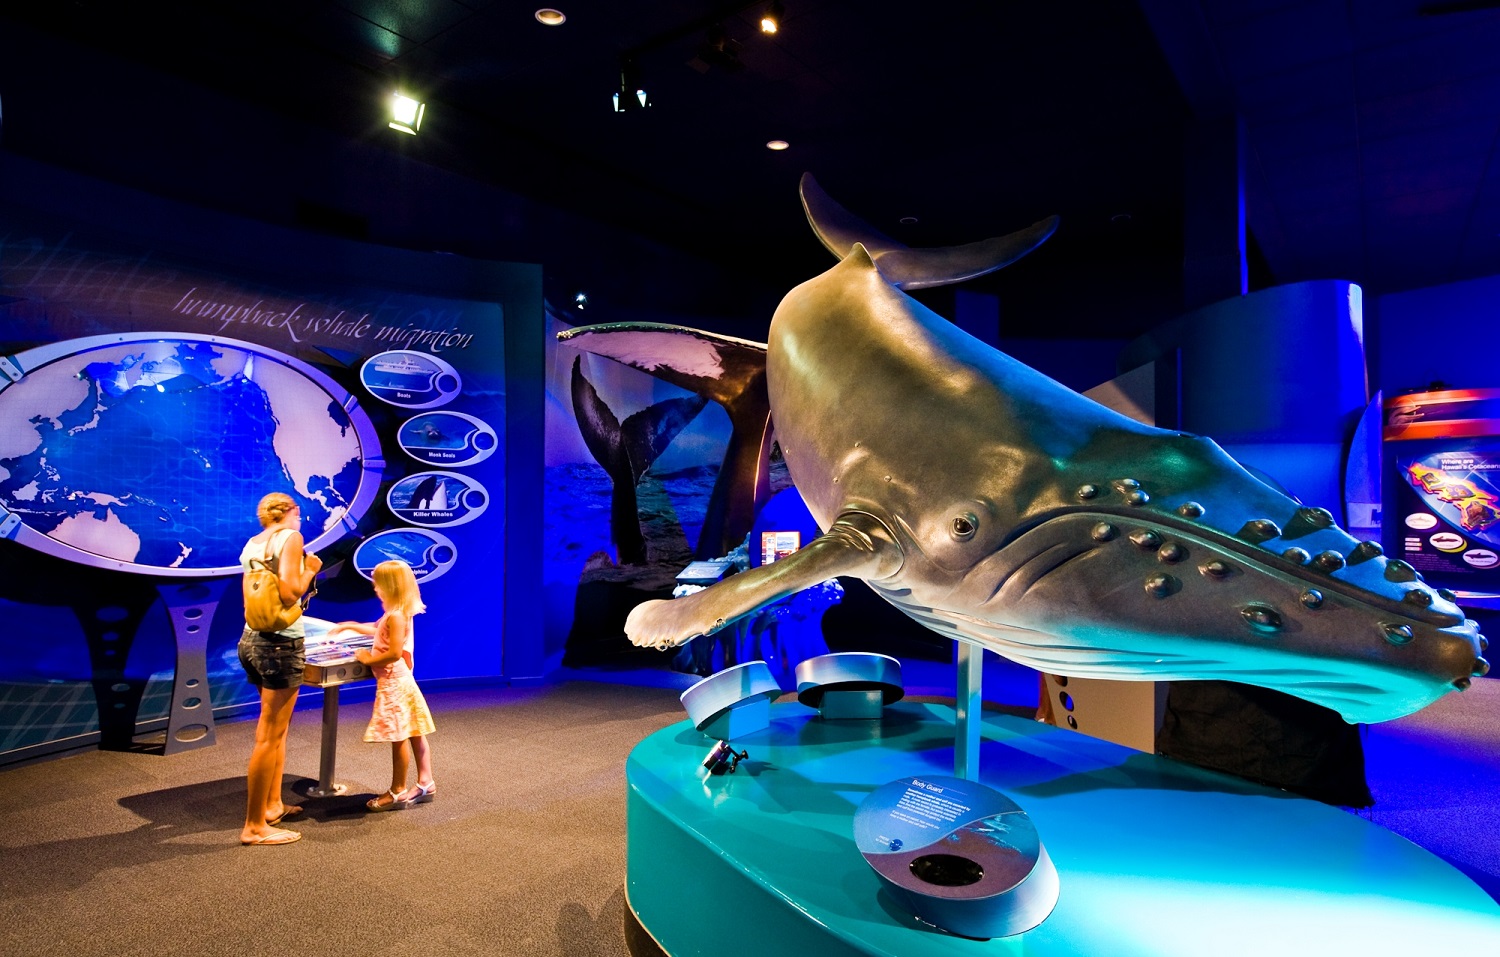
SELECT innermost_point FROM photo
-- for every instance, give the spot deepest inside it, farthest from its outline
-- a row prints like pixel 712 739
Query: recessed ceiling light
pixel 777 144
pixel 551 17
pixel 908 220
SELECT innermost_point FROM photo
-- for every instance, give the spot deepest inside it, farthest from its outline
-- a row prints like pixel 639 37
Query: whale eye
pixel 964 527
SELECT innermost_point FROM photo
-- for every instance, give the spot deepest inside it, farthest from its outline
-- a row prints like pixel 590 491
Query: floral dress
pixel 400 710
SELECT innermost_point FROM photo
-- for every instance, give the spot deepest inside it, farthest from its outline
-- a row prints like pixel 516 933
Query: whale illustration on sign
pixel 997 506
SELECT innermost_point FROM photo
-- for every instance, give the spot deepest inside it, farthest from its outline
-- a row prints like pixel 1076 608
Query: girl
pixel 401 712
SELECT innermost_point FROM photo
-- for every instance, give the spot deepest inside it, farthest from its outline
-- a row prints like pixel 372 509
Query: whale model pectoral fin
pixel 857 545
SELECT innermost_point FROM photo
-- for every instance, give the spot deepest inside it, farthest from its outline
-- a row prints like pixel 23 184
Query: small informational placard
pixel 960 855
pixel 1448 507
pixel 704 572
pixel 325 644
pixel 778 545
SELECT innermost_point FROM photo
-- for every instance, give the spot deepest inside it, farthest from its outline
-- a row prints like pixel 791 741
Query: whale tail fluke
pixel 907 268
pixel 626 450
pixel 730 371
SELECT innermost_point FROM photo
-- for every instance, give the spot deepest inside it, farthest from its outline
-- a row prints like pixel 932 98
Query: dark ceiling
pixel 1368 128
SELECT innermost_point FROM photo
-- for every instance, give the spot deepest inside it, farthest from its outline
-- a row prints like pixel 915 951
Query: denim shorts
pixel 272 660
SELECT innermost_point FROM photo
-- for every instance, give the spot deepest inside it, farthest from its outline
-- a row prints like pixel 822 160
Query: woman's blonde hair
pixel 395 578
pixel 273 507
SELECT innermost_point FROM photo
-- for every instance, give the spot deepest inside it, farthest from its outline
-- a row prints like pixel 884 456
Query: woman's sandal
pixel 273 839
pixel 396 804
pixel 422 794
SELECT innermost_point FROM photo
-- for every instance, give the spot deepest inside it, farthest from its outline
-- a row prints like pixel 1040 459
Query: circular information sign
pixel 960 855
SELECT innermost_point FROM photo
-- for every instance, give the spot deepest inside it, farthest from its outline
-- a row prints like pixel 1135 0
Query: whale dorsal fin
pixel 907 268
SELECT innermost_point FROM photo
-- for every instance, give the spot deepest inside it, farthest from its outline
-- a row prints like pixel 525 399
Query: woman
pixel 273 662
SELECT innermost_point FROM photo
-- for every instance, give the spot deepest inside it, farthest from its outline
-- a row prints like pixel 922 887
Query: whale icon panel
pixel 413 380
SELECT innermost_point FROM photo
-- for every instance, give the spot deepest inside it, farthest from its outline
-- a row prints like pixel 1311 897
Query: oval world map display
pixel 148 452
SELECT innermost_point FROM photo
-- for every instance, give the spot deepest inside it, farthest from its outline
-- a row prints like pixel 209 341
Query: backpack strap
pixel 272 558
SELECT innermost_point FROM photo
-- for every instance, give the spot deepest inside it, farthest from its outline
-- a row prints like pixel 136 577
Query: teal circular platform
pixel 1153 857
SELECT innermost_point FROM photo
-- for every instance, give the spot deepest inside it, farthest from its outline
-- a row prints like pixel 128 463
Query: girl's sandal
pixel 422 794
pixel 395 804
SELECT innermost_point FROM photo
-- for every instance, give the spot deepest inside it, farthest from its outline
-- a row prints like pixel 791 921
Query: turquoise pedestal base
pixel 1153 857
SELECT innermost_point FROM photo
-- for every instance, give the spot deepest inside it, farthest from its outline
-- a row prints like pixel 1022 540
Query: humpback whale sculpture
pixel 996 506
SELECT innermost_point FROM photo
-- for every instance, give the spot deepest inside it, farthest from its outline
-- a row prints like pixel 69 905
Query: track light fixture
pixel 631 96
pixel 406 113
pixel 770 21
pixel 717 50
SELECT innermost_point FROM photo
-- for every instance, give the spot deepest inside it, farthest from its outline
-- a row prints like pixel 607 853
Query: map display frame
pixel 342 519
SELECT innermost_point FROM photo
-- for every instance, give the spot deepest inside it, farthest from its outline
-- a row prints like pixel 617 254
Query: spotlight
pixel 630 96
pixel 581 299
pixel 406 113
pixel 723 757
pixel 770 21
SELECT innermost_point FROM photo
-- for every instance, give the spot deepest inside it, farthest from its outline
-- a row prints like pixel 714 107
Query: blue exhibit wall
pixel 1439 334
pixel 81 258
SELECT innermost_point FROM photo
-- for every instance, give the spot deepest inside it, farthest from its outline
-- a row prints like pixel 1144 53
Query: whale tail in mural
pixel 998 507
pixel 626 450
pixel 730 371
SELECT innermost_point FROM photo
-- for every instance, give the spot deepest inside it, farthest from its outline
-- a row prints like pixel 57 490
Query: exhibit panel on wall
pixel 164 370
pixel 1443 449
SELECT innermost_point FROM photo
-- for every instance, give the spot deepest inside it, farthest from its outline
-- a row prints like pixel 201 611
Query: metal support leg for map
pixel 968 705
pixel 327 753
pixel 191 606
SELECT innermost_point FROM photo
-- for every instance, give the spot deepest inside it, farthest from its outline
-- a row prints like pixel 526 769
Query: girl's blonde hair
pixel 273 507
pixel 395 578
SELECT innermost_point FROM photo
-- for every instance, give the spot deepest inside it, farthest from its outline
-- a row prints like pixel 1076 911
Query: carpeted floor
pixel 1435 776
pixel 522 853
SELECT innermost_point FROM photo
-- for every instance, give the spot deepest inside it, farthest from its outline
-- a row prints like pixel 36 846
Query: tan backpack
pixel 262 592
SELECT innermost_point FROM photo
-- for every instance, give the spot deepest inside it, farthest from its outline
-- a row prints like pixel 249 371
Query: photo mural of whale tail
pixel 730 371
pixel 625 451
pixel 996 506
